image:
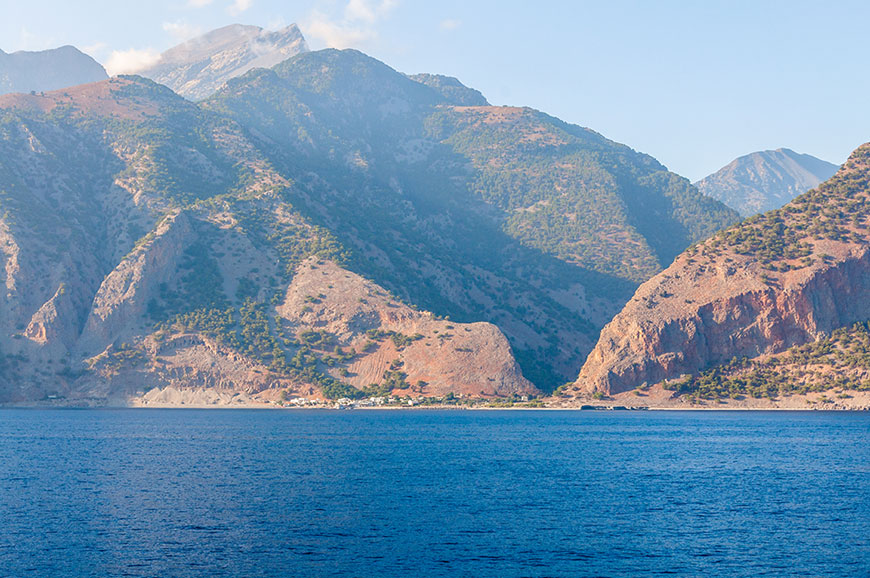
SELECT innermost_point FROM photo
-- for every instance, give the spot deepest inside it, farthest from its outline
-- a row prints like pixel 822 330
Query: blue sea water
pixel 186 493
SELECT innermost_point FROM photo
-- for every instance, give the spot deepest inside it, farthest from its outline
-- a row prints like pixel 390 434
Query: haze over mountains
pixel 765 180
pixel 198 67
pixel 330 227
pixel 47 70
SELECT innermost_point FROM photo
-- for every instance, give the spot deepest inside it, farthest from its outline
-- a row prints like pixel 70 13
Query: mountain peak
pixel 198 67
pixel 765 180
pixel 26 71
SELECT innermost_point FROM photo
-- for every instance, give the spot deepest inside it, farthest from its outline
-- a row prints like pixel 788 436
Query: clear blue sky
pixel 693 83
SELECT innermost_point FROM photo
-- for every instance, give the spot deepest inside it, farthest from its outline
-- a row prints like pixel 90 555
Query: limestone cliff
pixel 781 279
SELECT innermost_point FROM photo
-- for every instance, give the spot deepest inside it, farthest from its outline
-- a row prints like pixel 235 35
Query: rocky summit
pixel 198 67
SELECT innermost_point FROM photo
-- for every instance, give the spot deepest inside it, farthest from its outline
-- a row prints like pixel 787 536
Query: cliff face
pixel 775 281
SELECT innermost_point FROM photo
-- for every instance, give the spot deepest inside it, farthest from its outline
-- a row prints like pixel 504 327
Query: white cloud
pixel 199 3
pixel 368 11
pixel 181 31
pixel 131 61
pixel 450 24
pixel 239 6
pixel 335 34
pixel 95 50
pixel 356 25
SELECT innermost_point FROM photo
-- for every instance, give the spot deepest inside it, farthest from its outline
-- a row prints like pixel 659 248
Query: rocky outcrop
pixel 435 355
pixel 729 298
pixel 198 67
pixel 122 299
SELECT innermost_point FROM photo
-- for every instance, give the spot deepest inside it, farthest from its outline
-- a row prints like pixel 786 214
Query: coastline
pixel 653 399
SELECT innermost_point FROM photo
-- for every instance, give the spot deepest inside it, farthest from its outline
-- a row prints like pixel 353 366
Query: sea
pixel 244 493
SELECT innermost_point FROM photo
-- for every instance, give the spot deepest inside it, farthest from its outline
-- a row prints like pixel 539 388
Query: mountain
pixel 768 285
pixel 149 244
pixel 477 212
pixel 327 228
pixel 765 180
pixel 47 70
pixel 198 67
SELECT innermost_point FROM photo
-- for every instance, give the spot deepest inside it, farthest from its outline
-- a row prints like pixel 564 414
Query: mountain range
pixel 327 227
pixel 765 180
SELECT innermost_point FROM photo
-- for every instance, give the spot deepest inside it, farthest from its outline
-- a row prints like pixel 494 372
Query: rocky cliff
pixel 765 180
pixel 774 281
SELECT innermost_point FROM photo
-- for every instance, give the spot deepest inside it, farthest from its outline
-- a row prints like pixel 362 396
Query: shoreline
pixel 270 407
pixel 653 399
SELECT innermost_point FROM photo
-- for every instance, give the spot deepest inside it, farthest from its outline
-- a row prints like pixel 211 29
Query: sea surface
pixel 183 493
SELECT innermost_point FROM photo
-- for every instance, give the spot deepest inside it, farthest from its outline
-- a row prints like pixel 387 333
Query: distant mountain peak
pixel 43 70
pixel 198 67
pixel 765 180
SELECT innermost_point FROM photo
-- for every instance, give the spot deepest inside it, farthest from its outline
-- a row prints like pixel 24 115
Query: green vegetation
pixel 783 239
pixel 200 288
pixel 838 362
pixel 577 196
pixel 293 239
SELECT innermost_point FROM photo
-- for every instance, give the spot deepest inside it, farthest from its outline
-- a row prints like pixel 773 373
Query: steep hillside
pixel 147 243
pixel 47 70
pixel 777 280
pixel 765 180
pixel 480 213
pixel 199 67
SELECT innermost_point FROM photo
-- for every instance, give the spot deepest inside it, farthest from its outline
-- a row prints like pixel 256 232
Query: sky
pixel 693 83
